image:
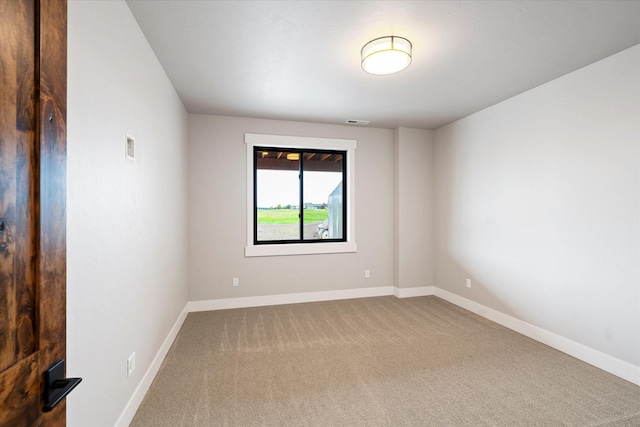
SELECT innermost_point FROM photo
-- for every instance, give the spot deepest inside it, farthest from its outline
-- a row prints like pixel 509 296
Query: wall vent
pixel 130 148
pixel 357 122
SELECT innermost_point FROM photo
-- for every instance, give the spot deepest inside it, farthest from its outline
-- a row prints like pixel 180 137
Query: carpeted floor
pixel 374 362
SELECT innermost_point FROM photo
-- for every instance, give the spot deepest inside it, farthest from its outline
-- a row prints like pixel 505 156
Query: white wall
pixel 127 231
pixel 413 208
pixel 217 214
pixel 538 202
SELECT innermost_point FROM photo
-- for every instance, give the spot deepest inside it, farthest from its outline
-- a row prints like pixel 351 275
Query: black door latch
pixel 56 387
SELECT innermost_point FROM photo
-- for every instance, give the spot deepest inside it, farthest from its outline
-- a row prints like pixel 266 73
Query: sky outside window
pixel 279 187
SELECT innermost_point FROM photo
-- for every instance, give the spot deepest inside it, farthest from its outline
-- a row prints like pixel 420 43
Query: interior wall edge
pixel 141 390
pixel 613 365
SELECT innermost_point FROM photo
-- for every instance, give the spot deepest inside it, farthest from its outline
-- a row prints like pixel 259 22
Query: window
pixel 299 195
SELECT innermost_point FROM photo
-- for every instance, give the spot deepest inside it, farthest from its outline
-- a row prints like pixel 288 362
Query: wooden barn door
pixel 33 40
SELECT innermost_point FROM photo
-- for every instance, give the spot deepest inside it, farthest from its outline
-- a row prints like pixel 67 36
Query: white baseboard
pixel 136 399
pixel 222 304
pixel 593 357
pixel 260 301
pixel 420 291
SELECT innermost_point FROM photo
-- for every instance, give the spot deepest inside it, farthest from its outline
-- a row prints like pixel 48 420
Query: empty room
pixel 328 213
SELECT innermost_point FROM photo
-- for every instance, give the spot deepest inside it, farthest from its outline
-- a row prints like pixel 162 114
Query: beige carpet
pixel 374 362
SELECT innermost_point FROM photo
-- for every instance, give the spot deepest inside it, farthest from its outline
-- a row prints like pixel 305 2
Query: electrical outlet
pixel 367 274
pixel 468 283
pixel 131 364
pixel 235 282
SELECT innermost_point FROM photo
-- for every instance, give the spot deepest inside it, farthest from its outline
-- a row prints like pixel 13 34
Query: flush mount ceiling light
pixel 386 55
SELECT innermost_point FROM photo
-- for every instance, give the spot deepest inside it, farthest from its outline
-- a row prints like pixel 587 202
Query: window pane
pixel 322 196
pixel 277 195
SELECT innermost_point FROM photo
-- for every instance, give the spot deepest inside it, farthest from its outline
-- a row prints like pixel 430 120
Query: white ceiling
pixel 300 60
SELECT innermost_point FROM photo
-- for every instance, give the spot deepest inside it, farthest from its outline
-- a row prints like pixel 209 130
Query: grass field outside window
pixel 290 216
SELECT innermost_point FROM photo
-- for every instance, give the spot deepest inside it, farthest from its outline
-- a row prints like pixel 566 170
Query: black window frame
pixel 301 161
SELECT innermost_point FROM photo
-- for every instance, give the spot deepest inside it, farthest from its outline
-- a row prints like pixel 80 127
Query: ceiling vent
pixel 357 122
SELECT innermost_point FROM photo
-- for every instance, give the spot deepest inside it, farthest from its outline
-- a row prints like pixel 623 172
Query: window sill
pixel 300 249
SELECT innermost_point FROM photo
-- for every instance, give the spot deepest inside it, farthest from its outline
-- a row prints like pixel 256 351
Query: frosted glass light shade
pixel 386 55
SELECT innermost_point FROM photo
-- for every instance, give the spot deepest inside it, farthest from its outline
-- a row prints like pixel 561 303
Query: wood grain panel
pixel 17 185
pixel 19 388
pixel 52 206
